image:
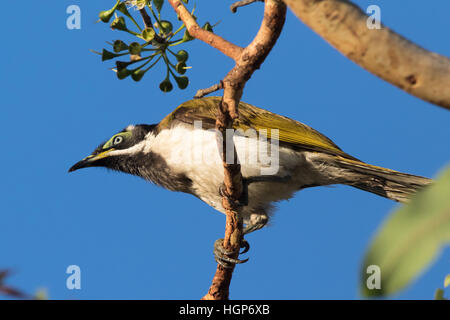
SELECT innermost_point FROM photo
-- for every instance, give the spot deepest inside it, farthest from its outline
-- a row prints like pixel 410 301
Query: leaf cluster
pixel 155 42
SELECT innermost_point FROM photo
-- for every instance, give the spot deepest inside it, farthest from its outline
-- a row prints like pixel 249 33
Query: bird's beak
pixel 90 161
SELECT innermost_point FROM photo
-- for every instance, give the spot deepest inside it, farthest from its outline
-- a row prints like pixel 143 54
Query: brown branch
pixel 10 291
pixel 247 60
pixel 204 92
pixel 146 18
pixel 254 54
pixel 382 52
pixel 227 48
pixel 242 3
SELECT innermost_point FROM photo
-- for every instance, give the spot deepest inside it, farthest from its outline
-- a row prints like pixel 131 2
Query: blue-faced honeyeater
pixel 181 153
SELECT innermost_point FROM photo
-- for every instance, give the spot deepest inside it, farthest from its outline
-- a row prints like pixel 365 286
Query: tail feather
pixel 381 181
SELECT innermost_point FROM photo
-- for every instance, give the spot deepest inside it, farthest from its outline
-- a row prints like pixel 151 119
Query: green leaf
pixel 447 281
pixel 439 295
pixel 158 4
pixel 41 294
pixel 410 239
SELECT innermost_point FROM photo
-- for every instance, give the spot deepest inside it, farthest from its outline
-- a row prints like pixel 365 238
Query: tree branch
pixel 203 92
pixel 254 54
pixel 382 52
pixel 146 18
pixel 242 3
pixel 250 60
pixel 247 60
pixel 10 291
pixel 227 48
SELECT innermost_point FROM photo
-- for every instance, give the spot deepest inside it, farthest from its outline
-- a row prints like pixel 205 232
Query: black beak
pixel 94 160
pixel 85 163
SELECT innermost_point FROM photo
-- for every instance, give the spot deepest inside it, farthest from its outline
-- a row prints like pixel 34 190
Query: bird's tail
pixel 384 182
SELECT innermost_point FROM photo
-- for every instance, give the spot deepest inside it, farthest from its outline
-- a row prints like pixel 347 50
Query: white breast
pixel 194 152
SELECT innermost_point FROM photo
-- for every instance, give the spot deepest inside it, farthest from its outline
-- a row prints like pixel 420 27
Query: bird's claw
pixel 242 202
pixel 245 245
pixel 222 255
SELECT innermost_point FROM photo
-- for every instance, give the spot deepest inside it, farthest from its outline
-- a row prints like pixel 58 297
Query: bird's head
pixel 120 151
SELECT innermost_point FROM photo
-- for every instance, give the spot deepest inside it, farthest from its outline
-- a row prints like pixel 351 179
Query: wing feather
pixel 291 133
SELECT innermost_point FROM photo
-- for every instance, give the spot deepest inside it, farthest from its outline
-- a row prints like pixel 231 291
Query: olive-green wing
pixel 292 133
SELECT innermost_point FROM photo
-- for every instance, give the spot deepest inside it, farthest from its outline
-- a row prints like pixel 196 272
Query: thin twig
pixel 146 18
pixel 204 92
pixel 242 3
pixel 10 291
pixel 229 49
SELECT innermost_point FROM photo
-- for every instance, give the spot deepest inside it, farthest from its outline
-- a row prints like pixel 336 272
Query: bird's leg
pixel 221 255
pixel 243 200
pixel 238 203
pixel 256 222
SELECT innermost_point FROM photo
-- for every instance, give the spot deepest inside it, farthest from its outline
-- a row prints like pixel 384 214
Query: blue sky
pixel 133 240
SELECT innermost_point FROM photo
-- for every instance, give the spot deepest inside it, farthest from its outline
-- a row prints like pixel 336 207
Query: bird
pixel 278 156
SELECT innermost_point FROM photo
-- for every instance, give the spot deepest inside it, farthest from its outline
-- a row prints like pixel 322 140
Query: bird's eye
pixel 117 140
